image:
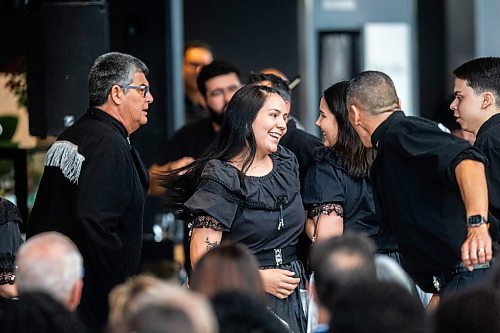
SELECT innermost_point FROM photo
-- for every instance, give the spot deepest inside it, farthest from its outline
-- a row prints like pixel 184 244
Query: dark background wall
pixel 252 34
pixel 132 31
pixel 432 58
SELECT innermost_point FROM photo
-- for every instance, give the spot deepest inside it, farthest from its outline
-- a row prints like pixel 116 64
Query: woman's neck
pixel 260 165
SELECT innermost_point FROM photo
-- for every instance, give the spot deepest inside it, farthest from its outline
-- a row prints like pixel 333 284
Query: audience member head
pixel 128 298
pixel 160 318
pixel 217 82
pixel 341 260
pixel 473 310
pixel 196 55
pixel 376 307
pixel 477 92
pixel 38 313
pixel 228 266
pixel 237 312
pixel 339 134
pixel 51 263
pixel 112 69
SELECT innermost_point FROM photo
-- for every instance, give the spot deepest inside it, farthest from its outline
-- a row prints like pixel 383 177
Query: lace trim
pixel 7 268
pixel 326 209
pixel 206 221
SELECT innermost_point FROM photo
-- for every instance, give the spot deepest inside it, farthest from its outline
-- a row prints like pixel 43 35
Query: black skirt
pixel 292 309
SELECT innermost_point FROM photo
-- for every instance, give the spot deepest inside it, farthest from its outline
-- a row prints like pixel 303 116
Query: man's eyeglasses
pixel 143 88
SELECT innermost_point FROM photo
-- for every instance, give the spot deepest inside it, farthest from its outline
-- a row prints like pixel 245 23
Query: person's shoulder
pixel 327 155
pixel 284 154
pixel 221 172
pixel 286 161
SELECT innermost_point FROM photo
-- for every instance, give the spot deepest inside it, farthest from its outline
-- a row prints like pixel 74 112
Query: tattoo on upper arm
pixel 211 245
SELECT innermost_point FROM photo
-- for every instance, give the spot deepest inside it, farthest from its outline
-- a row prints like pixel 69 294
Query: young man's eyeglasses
pixel 143 88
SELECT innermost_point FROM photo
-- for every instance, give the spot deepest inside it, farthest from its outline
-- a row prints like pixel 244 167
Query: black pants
pixel 464 280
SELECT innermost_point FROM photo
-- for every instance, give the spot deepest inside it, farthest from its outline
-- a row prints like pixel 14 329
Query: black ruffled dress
pixel 264 213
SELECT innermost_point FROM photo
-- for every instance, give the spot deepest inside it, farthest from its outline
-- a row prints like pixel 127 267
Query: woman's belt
pixel 276 257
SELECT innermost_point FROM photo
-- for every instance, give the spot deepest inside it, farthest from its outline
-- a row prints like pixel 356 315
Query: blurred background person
pixel 196 55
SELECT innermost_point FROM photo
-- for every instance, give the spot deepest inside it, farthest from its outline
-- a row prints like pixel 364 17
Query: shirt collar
pixel 488 124
pixel 379 133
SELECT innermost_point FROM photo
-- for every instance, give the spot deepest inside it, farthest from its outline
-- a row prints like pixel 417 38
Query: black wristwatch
pixel 475 221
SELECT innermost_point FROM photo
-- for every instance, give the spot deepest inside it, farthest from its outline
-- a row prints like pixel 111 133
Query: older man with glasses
pixel 94 183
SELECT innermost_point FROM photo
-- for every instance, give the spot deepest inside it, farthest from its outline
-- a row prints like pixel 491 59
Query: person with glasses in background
pixel 94 183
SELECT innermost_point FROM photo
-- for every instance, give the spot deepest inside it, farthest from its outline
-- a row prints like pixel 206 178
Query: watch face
pixel 475 220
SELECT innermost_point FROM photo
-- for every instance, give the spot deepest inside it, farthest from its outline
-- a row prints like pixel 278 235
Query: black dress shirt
pixel 417 194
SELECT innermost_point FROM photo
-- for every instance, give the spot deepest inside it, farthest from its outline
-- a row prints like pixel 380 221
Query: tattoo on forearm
pixel 211 245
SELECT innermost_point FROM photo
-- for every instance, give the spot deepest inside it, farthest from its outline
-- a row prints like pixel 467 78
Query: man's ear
pixel 354 114
pixel 488 99
pixel 116 94
pixel 75 296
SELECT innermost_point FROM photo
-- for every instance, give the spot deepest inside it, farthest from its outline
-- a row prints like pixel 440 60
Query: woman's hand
pixel 279 282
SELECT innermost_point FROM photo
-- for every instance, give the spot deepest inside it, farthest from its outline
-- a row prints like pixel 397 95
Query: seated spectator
pixel 237 312
pixel 226 267
pixel 375 307
pixel 38 313
pixel 10 241
pixel 130 297
pixel 474 310
pixel 336 262
pixel 51 263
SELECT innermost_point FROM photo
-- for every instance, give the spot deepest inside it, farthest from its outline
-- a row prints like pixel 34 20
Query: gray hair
pixel 110 69
pixel 374 91
pixel 141 291
pixel 49 262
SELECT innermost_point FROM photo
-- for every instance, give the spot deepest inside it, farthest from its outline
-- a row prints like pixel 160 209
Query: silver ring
pixel 481 250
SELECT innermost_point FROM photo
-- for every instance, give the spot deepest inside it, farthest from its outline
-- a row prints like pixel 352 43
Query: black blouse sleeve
pixel 213 196
pixel 322 184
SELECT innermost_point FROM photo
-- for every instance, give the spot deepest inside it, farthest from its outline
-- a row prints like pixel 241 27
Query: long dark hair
pixel 357 159
pixel 235 137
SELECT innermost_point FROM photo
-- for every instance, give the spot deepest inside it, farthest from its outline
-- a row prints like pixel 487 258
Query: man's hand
pixel 279 282
pixel 477 247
